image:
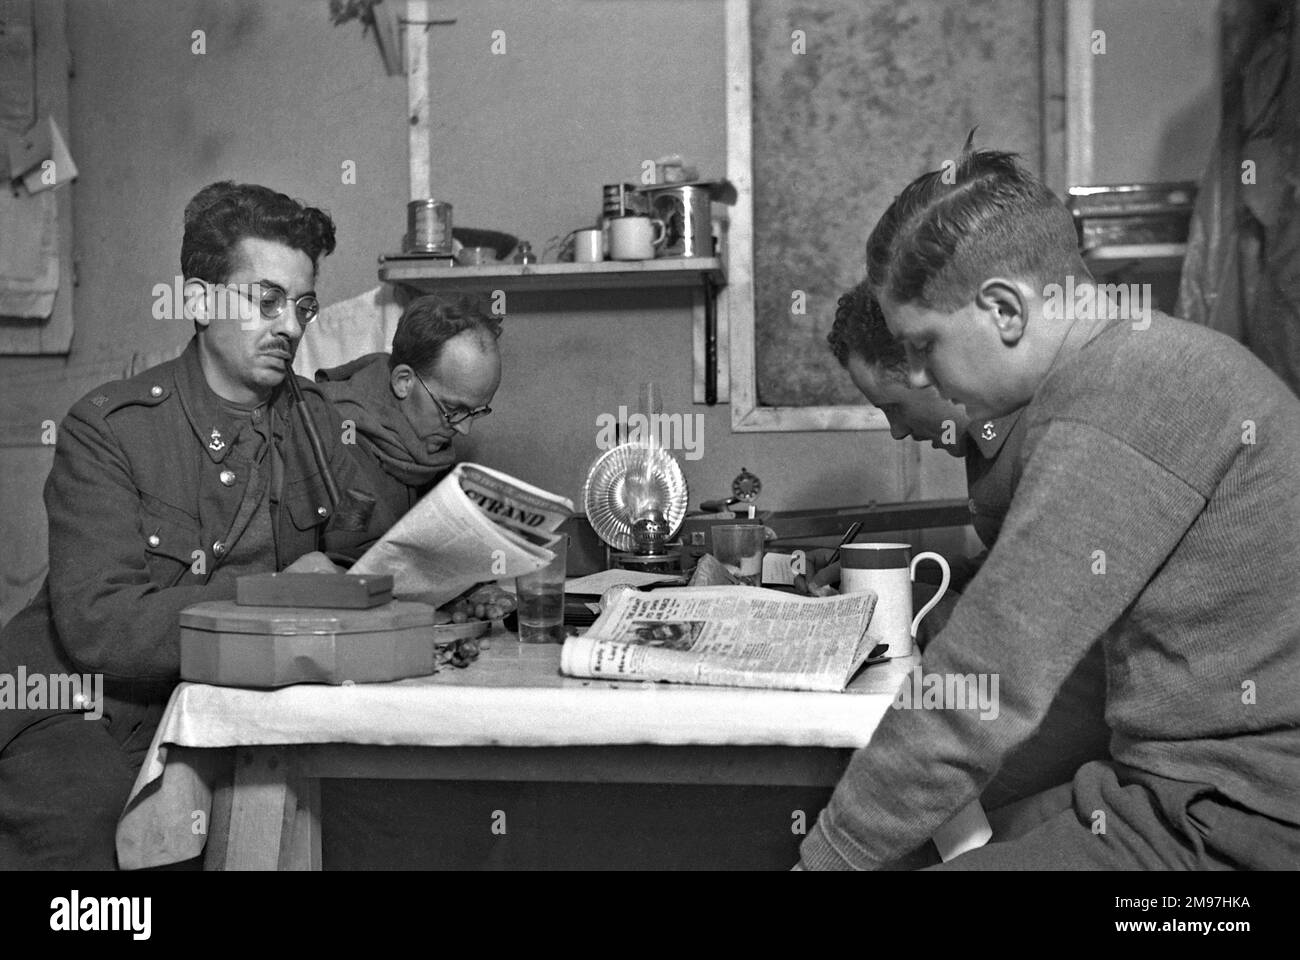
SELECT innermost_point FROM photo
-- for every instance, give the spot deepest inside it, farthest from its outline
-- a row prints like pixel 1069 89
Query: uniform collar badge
pixel 216 444
pixel 988 432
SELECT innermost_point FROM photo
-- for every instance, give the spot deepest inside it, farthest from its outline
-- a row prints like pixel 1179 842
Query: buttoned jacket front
pixel 142 500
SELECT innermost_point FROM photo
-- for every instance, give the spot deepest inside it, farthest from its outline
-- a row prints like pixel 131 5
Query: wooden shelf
pixel 683 272
pixel 702 276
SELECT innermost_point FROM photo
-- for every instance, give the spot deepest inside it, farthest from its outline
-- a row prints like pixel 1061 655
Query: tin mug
pixel 635 238
pixel 687 213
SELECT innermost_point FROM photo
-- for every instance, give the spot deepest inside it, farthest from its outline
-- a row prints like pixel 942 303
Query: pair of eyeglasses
pixel 271 301
pixel 460 416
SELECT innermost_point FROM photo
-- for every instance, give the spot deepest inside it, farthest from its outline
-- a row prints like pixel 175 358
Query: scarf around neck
pixel 361 393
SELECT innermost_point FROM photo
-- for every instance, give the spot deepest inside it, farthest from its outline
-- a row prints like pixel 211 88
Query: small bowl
pixel 475 256
pixel 502 243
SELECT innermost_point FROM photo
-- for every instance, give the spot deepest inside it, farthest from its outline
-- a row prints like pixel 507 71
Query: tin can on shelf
pixel 428 228
pixel 687 213
pixel 622 200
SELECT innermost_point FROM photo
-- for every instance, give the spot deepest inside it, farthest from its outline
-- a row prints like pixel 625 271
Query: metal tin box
pixel 241 646
pixel 1132 214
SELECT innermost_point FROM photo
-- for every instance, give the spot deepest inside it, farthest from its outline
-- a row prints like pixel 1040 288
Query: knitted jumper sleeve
pixel 1092 521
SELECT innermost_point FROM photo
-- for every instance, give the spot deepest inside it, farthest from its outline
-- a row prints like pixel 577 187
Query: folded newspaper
pixel 477 524
pixel 726 636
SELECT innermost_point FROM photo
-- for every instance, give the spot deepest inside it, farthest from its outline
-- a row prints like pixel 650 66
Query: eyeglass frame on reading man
pixel 460 417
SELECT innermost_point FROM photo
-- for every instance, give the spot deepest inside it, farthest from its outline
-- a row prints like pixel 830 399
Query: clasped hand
pixel 821 576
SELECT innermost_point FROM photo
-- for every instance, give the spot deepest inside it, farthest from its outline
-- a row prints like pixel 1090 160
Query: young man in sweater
pixel 1155 508
pixel 1073 730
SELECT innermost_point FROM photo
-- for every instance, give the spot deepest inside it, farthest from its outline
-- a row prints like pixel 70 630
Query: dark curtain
pixel 1242 272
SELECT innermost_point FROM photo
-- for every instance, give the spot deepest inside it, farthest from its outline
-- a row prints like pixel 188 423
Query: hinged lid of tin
pixel 313 590
pixel 227 616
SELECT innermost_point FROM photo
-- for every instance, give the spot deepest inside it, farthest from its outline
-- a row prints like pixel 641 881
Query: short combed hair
pixel 429 322
pixel 951 229
pixel 859 330
pixel 222 214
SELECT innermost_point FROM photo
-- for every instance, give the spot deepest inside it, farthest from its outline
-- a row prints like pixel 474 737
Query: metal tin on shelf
pixel 622 200
pixel 1132 213
pixel 428 227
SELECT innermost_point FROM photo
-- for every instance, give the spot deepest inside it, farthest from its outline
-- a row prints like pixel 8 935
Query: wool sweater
pixel 1157 506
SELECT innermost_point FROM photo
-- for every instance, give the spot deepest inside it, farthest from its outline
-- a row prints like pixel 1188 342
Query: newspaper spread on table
pixel 727 636
pixel 477 524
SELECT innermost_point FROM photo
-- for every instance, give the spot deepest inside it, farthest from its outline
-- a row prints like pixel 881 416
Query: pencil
pixel 849 534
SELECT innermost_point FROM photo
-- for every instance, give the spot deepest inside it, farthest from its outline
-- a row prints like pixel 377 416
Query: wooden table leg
pixel 268 819
pixel 257 809
pixel 214 850
pixel 300 846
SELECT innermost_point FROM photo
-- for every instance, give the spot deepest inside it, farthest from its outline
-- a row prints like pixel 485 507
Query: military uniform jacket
pixel 142 500
pixel 992 472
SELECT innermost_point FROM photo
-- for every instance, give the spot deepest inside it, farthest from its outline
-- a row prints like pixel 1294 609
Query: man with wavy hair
pixel 164 488
pixel 1154 509
pixel 877 364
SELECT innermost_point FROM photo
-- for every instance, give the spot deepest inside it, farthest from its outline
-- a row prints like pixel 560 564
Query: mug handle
pixel 661 232
pixel 943 586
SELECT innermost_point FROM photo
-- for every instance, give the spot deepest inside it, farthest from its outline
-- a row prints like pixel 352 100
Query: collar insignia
pixel 988 433
pixel 216 444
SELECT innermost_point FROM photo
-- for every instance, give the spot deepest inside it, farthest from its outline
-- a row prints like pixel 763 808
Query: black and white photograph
pixel 369 368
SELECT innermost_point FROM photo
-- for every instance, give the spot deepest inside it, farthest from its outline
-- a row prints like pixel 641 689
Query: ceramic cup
pixel 588 246
pixel 635 238
pixel 889 569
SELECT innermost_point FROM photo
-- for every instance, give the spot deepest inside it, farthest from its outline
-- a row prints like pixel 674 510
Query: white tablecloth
pixel 513 696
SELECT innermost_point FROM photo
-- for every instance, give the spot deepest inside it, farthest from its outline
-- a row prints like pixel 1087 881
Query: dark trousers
pixel 63 783
pixel 1112 817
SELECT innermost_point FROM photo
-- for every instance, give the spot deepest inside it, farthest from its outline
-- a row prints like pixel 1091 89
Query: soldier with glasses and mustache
pixel 164 488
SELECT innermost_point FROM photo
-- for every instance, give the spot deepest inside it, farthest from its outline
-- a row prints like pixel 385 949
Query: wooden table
pixel 510 716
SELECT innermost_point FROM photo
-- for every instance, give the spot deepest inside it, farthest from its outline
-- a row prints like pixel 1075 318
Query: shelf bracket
pixel 710 342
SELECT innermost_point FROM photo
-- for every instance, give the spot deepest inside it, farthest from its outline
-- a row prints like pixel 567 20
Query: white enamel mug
pixel 888 569
pixel 588 246
pixel 635 238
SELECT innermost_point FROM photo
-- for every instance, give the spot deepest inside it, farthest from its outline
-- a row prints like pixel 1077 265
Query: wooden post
pixel 420 143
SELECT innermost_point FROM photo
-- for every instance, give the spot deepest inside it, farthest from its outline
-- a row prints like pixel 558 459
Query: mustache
pixel 281 344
